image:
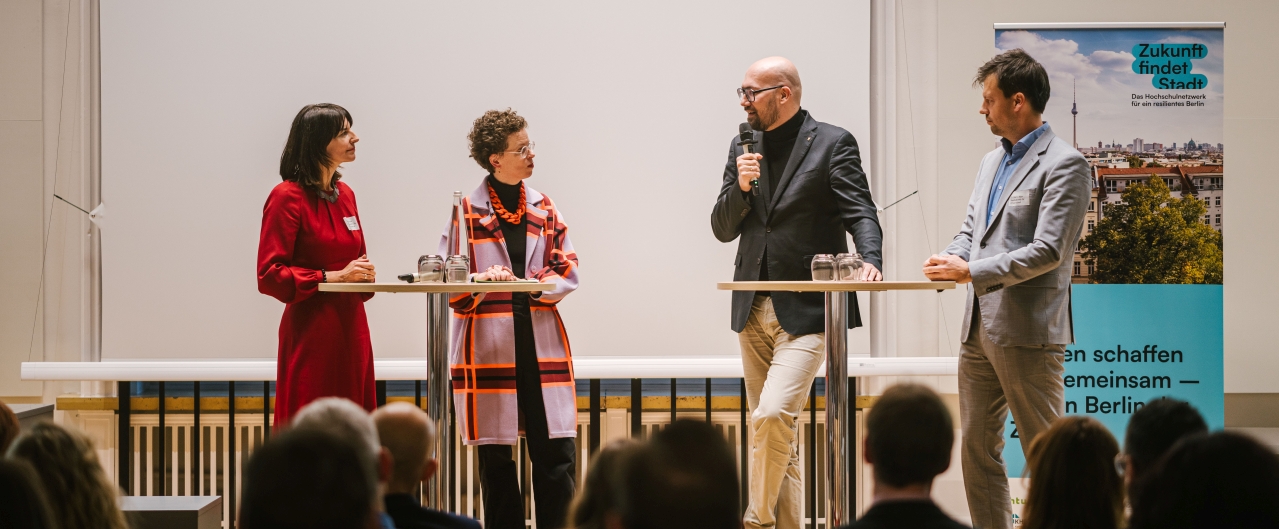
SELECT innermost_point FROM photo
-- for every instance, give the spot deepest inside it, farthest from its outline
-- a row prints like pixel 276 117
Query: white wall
pixel 632 107
pixel 44 132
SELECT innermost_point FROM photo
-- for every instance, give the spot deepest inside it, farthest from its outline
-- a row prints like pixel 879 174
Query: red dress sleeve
pixel 281 219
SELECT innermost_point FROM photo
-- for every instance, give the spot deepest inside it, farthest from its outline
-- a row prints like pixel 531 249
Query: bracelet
pixel 324 276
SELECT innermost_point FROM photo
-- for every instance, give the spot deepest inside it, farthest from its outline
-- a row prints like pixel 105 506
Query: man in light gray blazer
pixel 1016 248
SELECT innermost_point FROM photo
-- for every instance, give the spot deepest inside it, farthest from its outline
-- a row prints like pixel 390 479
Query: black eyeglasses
pixel 750 93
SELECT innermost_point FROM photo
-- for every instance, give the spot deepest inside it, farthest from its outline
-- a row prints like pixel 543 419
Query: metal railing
pixel 190 425
pixel 177 438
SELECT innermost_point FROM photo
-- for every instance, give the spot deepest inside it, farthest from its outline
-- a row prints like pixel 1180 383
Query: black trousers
pixel 553 459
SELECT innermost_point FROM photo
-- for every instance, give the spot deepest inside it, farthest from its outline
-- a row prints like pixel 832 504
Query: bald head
pixel 409 435
pixel 774 81
pixel 773 71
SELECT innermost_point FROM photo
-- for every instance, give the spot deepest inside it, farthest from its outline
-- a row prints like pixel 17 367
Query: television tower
pixel 1074 116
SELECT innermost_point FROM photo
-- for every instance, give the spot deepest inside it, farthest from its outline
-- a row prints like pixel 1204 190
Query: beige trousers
pixel 994 379
pixel 779 371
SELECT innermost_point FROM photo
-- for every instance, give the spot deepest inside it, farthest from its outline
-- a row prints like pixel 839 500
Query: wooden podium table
pixel 838 425
pixel 439 387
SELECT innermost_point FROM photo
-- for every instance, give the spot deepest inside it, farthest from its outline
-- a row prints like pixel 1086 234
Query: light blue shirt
pixel 1008 165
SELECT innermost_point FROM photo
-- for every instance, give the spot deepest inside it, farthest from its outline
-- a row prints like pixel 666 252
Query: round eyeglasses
pixel 750 93
pixel 525 150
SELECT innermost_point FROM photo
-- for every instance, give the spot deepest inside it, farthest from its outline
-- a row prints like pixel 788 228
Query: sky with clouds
pixel 1099 64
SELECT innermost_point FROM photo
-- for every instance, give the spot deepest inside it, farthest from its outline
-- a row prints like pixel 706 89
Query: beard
pixel 765 116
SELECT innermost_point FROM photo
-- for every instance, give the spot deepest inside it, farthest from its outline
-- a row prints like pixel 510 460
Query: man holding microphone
pixel 811 191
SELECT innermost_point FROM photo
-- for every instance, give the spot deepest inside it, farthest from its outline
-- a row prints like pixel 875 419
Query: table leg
pixel 439 397
pixel 837 511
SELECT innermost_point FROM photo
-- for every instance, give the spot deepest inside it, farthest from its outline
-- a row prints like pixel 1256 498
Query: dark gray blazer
pixel 1021 261
pixel 822 195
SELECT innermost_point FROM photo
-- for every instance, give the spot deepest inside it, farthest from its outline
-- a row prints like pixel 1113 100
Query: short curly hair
pixel 488 135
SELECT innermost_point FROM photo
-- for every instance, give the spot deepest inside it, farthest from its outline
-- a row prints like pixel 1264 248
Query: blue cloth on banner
pixel 1134 343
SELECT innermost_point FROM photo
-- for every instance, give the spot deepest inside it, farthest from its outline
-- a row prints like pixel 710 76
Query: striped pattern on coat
pixel 482 355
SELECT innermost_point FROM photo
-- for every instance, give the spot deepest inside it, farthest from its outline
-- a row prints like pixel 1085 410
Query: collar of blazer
pixel 1028 163
pixel 807 133
pixel 481 208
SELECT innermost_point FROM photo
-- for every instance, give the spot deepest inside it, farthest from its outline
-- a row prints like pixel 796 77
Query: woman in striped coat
pixel 511 367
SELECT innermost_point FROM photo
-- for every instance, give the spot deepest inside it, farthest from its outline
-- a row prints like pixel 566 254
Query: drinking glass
pixel 430 268
pixel 823 267
pixel 457 269
pixel 849 266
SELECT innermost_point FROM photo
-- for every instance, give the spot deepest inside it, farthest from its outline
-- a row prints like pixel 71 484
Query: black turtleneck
pixel 515 234
pixel 778 144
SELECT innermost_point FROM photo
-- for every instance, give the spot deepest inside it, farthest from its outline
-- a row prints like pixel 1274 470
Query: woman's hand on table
pixel 360 270
pixel 496 273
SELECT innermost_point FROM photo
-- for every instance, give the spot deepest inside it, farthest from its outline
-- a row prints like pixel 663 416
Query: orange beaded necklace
pixel 515 217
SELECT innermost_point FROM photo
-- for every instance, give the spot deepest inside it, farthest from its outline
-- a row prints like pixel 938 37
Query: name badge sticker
pixel 351 223
pixel 1021 198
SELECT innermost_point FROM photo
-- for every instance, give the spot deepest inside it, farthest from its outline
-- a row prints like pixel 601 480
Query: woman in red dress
pixel 311 234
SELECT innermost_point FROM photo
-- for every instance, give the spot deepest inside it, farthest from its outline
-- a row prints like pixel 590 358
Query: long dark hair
pixel 306 151
pixel 1073 482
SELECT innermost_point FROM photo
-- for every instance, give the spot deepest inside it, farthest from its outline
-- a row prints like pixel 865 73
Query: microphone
pixel 747 143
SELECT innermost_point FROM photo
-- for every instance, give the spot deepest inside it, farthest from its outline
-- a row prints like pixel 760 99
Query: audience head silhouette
pixel 23 504
pixel 347 420
pixel 309 479
pixel 1153 429
pixel 409 435
pixel 594 506
pixel 70 472
pixel 1073 481
pixel 685 477
pixel 1223 480
pixel 909 436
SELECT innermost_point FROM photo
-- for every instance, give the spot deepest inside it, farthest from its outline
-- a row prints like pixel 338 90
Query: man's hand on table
pixel 947 268
pixel 870 273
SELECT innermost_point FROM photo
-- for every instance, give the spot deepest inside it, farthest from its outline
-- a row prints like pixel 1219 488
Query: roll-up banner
pixel 1143 103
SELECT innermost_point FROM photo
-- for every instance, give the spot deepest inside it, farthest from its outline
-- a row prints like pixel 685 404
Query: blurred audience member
pixel 9 428
pixel 1222 480
pixel 309 479
pixel 684 478
pixel 1152 430
pixel 1073 481
pixel 409 435
pixel 348 420
pixel 909 437
pixel 594 507
pixel 22 501
pixel 71 475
